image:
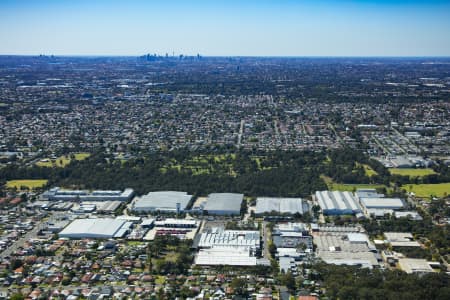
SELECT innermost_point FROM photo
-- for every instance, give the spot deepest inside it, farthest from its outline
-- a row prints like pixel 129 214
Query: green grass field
pixel 203 164
pixel 412 172
pixel 81 156
pixel 61 161
pixel 160 280
pixel 333 186
pixel 354 187
pixel 369 171
pixel 46 162
pixel 172 256
pixel 29 183
pixel 425 190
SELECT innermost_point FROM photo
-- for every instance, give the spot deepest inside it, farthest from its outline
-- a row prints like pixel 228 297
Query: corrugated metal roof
pixel 224 202
pixel 280 205
pixel 163 200
pixel 223 256
pixel 100 228
pixel 394 203
pixel 337 201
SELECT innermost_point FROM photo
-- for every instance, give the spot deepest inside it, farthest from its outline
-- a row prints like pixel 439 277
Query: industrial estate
pixel 163 177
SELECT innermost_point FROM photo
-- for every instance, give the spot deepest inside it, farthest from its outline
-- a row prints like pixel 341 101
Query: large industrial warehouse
pixel 96 229
pixel 337 203
pixel 280 205
pixel 164 201
pixel 223 256
pixel 382 203
pixel 57 194
pixel 228 247
pixel 224 204
pixel 345 246
pixel 218 237
pixel 376 205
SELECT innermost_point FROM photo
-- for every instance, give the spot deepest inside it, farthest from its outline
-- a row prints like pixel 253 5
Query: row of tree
pixel 346 282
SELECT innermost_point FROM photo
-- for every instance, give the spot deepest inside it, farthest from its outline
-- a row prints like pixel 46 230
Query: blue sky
pixel 245 28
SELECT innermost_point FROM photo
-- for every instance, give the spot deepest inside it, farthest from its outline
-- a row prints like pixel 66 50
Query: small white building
pixel 414 265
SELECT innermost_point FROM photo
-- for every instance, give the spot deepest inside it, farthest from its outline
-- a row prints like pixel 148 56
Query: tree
pixel 272 249
pixel 288 280
pixel 17 296
pixel 239 285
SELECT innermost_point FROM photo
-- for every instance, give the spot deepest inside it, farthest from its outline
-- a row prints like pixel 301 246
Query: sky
pixel 226 28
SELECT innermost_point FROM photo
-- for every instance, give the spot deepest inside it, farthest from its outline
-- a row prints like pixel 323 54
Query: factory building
pixel 176 223
pixel 411 215
pixel 225 256
pixel 382 203
pixel 345 246
pixel 148 223
pixel 84 208
pixel 292 235
pixel 132 219
pixel 401 239
pixel 108 206
pixel 218 237
pixel 337 203
pixel 280 205
pixel 414 265
pixel 96 229
pixel 57 194
pixel 293 242
pixel 376 205
pixel 163 201
pixel 228 247
pixel 368 193
pixel 181 228
pixel 224 204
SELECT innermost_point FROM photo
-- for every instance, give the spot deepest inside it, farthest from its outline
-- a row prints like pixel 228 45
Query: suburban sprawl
pixel 190 177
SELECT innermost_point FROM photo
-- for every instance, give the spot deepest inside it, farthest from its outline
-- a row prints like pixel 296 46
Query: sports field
pixel 426 190
pixel 412 172
pixel 29 183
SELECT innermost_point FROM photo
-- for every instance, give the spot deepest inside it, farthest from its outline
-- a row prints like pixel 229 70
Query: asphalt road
pixel 21 241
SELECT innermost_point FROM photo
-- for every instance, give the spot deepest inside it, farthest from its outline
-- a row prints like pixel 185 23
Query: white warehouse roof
pixel 414 265
pixel 94 228
pixel 368 193
pixel 162 201
pixel 337 202
pixel 387 203
pixel 225 256
pixel 279 205
pixel 57 194
pixel 230 238
pixel 224 203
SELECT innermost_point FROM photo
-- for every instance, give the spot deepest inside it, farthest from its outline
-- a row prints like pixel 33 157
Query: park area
pixel 29 184
pixel 211 164
pixel 428 190
pixel 411 172
pixel 61 161
pixel 333 186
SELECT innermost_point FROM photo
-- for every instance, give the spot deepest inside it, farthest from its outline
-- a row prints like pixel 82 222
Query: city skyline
pixel 226 28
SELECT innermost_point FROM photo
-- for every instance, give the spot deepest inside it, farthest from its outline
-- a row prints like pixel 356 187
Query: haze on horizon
pixel 226 28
